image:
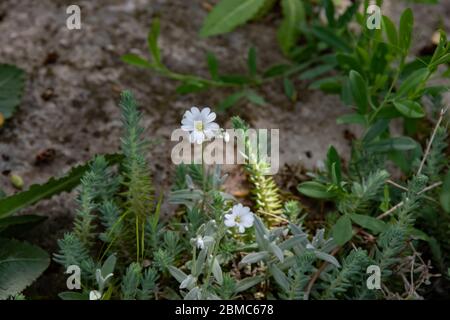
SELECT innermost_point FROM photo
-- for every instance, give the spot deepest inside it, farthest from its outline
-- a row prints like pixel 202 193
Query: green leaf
pixel 445 193
pixel 329 11
pixel 70 295
pixel 228 14
pixel 280 277
pixel 54 186
pixel 412 82
pixel 405 30
pixel 20 265
pixel 177 274
pixel 329 37
pixel 374 131
pixel 16 225
pixel 109 265
pixel 247 283
pixel 12 81
pixel 254 257
pixel 293 16
pixel 231 100
pixel 373 224
pixel 315 190
pixel 358 88
pixel 397 143
pixel 334 165
pixel 251 62
pixel 342 230
pixel 190 87
pixel 410 109
pixel 136 60
pixel 217 271
pixel 276 70
pixel 351 118
pixel 391 31
pixel 213 65
pixel 316 71
pixel 252 96
pixel 152 42
pixel 289 89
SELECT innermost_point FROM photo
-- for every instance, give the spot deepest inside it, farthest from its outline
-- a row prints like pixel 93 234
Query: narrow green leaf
pixel 405 30
pixel 152 42
pixel 410 109
pixel 397 143
pixel 228 14
pixel 247 283
pixel 252 96
pixel 293 16
pixel 136 60
pixel 213 65
pixel 231 100
pixel 54 186
pixel 412 82
pixel 391 31
pixel 289 89
pixel 251 62
pixel 445 193
pixel 358 88
pixel 329 37
pixel 351 118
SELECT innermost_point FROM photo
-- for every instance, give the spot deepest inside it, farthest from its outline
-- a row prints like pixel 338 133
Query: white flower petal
pixel 205 112
pixel 211 117
pixel 95 295
pixel 247 220
pixel 241 229
pixel 195 111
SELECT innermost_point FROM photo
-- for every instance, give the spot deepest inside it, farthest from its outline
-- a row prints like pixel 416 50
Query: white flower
pixel 199 242
pixel 240 217
pixel 200 124
pixel 95 295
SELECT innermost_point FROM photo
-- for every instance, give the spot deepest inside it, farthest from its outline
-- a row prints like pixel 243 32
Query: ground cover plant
pixel 375 226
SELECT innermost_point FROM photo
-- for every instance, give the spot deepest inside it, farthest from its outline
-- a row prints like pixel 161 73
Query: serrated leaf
pixel 342 230
pixel 410 109
pixel 54 186
pixel 20 265
pixel 228 14
pixel 12 81
pixel 293 16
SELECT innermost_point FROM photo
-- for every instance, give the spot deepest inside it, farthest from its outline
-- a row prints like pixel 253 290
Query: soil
pixel 69 110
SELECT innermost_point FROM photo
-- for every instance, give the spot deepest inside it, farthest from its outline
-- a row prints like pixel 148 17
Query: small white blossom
pixel 200 243
pixel 95 295
pixel 200 124
pixel 240 217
